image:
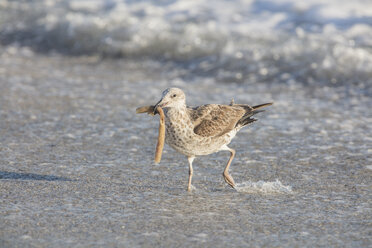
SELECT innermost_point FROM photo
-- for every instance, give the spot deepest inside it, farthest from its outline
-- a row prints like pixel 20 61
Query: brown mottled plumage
pixel 216 119
pixel 205 129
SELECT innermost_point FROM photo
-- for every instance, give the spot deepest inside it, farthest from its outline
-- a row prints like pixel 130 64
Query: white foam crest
pixel 275 187
pixel 240 40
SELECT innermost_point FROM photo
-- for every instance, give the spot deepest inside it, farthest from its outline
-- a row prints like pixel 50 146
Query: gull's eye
pixel 174 95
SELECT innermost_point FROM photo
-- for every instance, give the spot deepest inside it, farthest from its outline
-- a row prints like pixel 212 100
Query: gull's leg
pixel 226 174
pixel 190 159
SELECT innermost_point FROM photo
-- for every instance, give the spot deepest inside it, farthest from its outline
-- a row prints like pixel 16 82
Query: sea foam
pixel 313 42
pixel 263 187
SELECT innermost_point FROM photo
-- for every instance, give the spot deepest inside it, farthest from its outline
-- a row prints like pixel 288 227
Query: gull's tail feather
pixel 247 118
pixel 246 121
pixel 262 105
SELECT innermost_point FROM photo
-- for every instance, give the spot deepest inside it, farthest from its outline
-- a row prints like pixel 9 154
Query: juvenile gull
pixel 205 129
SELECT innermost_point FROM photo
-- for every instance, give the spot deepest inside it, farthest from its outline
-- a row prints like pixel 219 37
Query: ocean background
pixel 76 162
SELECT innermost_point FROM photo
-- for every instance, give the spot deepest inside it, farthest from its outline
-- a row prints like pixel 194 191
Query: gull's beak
pixel 160 104
pixel 156 106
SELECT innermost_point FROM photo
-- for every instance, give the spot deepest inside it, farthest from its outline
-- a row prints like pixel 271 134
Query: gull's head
pixel 172 98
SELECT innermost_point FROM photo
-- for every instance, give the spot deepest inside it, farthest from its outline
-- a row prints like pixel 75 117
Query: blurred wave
pixel 241 40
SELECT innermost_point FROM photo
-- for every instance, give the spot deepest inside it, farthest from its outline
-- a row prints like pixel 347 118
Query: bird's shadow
pixel 30 176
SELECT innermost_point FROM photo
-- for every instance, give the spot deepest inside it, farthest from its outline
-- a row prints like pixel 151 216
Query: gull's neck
pixel 176 112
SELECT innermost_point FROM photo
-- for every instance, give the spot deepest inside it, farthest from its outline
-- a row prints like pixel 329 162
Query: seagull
pixel 203 130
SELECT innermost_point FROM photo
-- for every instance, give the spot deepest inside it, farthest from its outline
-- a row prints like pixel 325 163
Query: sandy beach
pixel 76 161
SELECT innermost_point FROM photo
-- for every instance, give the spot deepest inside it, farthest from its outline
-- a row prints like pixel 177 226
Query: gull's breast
pixel 183 139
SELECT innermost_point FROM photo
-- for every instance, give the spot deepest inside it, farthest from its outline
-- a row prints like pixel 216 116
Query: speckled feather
pixel 213 120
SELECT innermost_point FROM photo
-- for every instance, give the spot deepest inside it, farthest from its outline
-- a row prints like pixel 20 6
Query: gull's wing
pixel 214 120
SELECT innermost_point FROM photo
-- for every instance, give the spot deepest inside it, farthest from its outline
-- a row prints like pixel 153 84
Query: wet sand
pixel 77 170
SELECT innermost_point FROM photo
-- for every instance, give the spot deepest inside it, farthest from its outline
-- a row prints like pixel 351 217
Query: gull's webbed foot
pixel 228 179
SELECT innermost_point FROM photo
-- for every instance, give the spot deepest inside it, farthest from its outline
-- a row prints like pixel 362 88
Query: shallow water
pixel 76 162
